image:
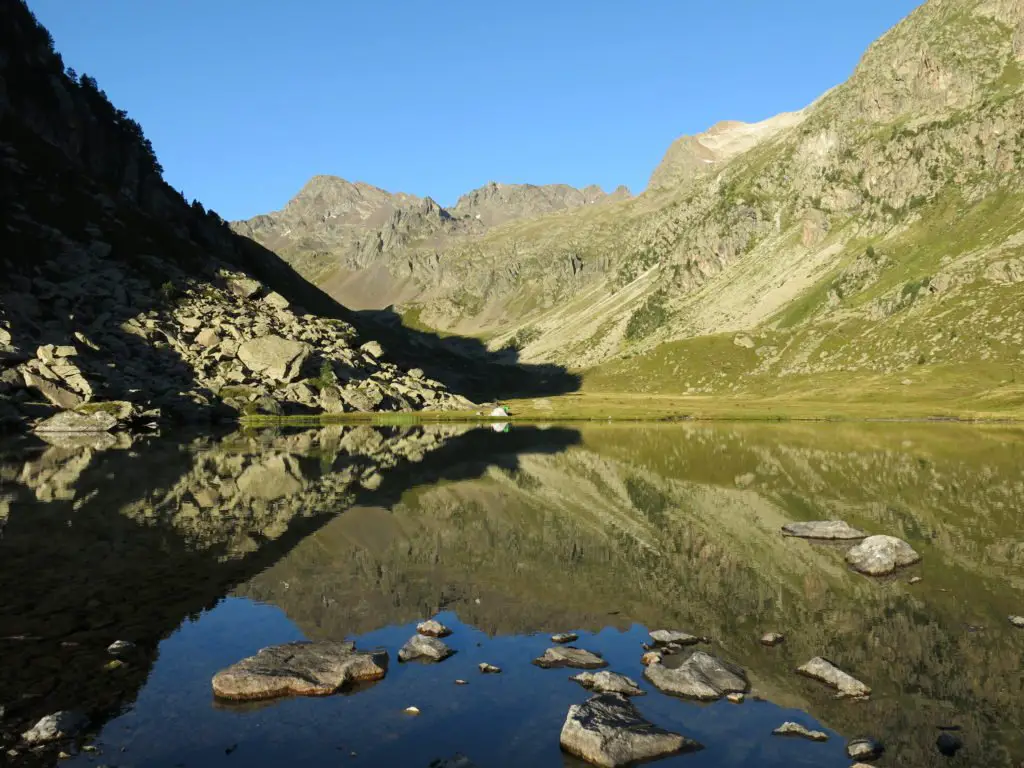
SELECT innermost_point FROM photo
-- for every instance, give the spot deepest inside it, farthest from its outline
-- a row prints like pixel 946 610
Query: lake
pixel 202 549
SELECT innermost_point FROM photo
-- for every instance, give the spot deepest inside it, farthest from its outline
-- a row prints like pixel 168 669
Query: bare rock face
pixel 569 656
pixel 702 676
pixel 881 555
pixel 827 530
pixel 607 730
pixel 59 725
pixel 299 669
pixel 426 648
pixel 275 357
pixel 795 729
pixel 608 682
pixel 826 672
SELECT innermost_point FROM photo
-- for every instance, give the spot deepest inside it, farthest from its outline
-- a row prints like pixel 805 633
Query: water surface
pixel 203 550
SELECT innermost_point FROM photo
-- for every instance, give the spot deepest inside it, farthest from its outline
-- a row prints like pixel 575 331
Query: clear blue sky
pixel 244 100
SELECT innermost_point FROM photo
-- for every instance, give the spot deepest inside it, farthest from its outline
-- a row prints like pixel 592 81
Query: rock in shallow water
pixel 772 638
pixel 827 530
pixel 795 729
pixel 608 682
pixel 565 637
pixel 881 555
pixel 300 669
pixel 673 637
pixel 1017 621
pixel 826 672
pixel 433 628
pixel 607 730
pixel 72 421
pixel 864 749
pixel 488 669
pixel 702 676
pixel 422 647
pixel 570 656
pixel 59 725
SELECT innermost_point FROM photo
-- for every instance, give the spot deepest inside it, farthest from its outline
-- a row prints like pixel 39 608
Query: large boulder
pixel 828 530
pixel 60 396
pixel 607 730
pixel 702 676
pixel 881 555
pixel 299 669
pixel 72 421
pixel 274 357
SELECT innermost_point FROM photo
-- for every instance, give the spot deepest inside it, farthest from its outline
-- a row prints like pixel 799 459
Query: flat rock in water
pixel 827 530
pixel 826 672
pixel 864 749
pixel 565 637
pixel 881 555
pixel 72 421
pixel 569 656
pixel 772 638
pixel 673 637
pixel 433 628
pixel 59 725
pixel 702 676
pixel 488 669
pixel 607 730
pixel 422 647
pixel 795 729
pixel 300 669
pixel 1017 621
pixel 608 682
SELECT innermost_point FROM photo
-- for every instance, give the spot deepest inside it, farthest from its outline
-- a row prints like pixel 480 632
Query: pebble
pixel 462 682
pixel 915 579
pixel 411 711
pixel 736 698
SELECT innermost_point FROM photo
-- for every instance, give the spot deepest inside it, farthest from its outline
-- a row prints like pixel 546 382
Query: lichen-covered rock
pixel 826 530
pixel 569 656
pixel 881 555
pixel 299 669
pixel 608 682
pixel 826 672
pixel 702 676
pixel 607 730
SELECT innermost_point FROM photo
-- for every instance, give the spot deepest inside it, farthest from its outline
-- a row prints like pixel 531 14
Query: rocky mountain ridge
pixel 122 298
pixel 837 240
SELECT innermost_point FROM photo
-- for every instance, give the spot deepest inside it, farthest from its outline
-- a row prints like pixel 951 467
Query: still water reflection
pixel 201 551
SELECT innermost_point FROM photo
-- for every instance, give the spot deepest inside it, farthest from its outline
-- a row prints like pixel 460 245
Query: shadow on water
pixel 129 541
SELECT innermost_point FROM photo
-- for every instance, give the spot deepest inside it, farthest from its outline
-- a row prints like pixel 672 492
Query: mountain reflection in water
pixel 202 551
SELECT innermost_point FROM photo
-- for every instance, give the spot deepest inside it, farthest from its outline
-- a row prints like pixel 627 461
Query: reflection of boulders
pixel 299 669
pixel 607 730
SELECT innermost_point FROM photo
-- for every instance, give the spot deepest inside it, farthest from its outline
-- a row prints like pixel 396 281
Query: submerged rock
pixel 702 676
pixel 827 530
pixel 795 729
pixel 565 637
pixel 300 669
pixel 608 682
pixel 607 730
pixel 59 725
pixel 826 672
pixel 864 749
pixel 881 555
pixel 949 744
pixel 673 637
pixel 569 656
pixel 422 647
pixel 433 628
pixel 772 638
